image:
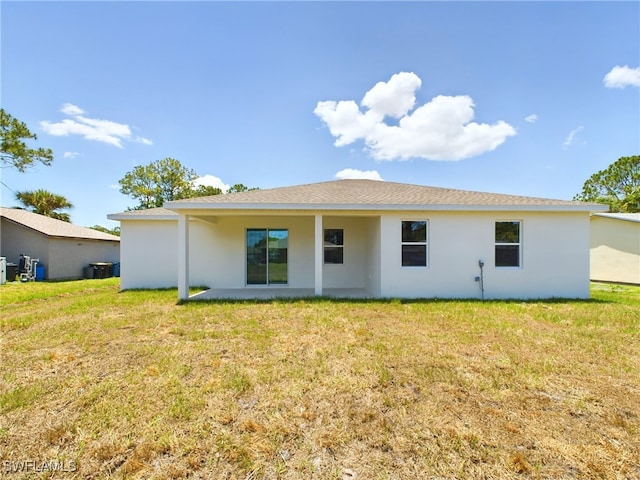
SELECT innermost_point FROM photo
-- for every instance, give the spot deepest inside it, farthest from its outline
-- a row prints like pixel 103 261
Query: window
pixel 508 244
pixel 334 245
pixel 414 243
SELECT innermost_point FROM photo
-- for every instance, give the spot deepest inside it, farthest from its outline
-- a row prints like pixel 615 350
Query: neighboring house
pixel 615 247
pixel 62 248
pixel 361 238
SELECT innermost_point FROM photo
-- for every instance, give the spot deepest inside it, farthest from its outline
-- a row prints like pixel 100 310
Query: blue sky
pixel 508 97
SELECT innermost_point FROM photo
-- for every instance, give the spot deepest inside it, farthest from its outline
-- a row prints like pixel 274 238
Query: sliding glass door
pixel 256 256
pixel 267 256
pixel 277 265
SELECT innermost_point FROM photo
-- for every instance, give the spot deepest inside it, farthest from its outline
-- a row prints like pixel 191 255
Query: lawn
pixel 103 384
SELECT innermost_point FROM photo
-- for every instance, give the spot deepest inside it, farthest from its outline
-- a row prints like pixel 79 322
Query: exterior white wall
pixel 63 258
pixel 554 249
pixel 226 250
pixel 353 272
pixel 615 250
pixel 148 254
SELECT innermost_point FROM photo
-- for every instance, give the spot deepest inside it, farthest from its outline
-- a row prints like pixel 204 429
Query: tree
pixel 239 187
pixel 165 180
pixel 113 231
pixel 45 203
pixel 205 191
pixel 14 151
pixel 159 182
pixel 618 185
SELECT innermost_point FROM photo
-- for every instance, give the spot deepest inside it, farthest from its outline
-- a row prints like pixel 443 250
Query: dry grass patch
pixel 132 385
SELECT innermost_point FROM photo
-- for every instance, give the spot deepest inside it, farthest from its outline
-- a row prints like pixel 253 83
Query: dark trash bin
pixel 101 269
pixel 12 272
pixel 87 272
pixel 115 270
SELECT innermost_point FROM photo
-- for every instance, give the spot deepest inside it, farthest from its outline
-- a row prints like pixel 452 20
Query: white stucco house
pixel 360 238
pixel 615 247
pixel 64 249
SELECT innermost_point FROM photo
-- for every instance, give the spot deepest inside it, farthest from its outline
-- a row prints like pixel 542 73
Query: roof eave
pixel 191 207
pixel 615 217
pixel 120 216
pixel 75 238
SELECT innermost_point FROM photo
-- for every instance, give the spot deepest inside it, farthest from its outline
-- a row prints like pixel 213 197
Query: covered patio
pixel 286 254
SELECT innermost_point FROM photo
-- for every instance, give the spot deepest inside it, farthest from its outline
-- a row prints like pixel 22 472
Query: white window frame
pixel 425 243
pixel 324 247
pixel 518 244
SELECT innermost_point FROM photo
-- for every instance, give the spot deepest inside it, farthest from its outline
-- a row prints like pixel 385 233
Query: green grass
pixel 136 385
pixel 17 292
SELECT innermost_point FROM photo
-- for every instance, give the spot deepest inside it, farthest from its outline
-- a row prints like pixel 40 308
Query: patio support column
pixel 183 256
pixel 318 254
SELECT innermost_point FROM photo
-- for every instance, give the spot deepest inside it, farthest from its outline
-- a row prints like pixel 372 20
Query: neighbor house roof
pixel 366 195
pixel 52 227
pixel 629 217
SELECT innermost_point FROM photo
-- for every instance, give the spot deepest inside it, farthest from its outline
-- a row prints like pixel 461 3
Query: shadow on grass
pixel 382 301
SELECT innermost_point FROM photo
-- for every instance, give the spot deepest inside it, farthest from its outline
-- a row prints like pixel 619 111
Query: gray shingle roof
pixel 52 227
pixel 372 194
pixel 359 195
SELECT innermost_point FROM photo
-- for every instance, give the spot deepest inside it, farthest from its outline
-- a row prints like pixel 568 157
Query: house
pixel 362 238
pixel 615 247
pixel 62 248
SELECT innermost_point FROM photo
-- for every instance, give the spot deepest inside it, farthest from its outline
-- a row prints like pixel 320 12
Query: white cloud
pixel 620 77
pixel 441 129
pixel 531 118
pixel 351 173
pixel 394 98
pixel 211 181
pixel 70 154
pixel 571 137
pixel 71 109
pixel 99 130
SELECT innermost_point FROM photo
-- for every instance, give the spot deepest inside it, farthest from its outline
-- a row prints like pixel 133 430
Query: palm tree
pixel 45 203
